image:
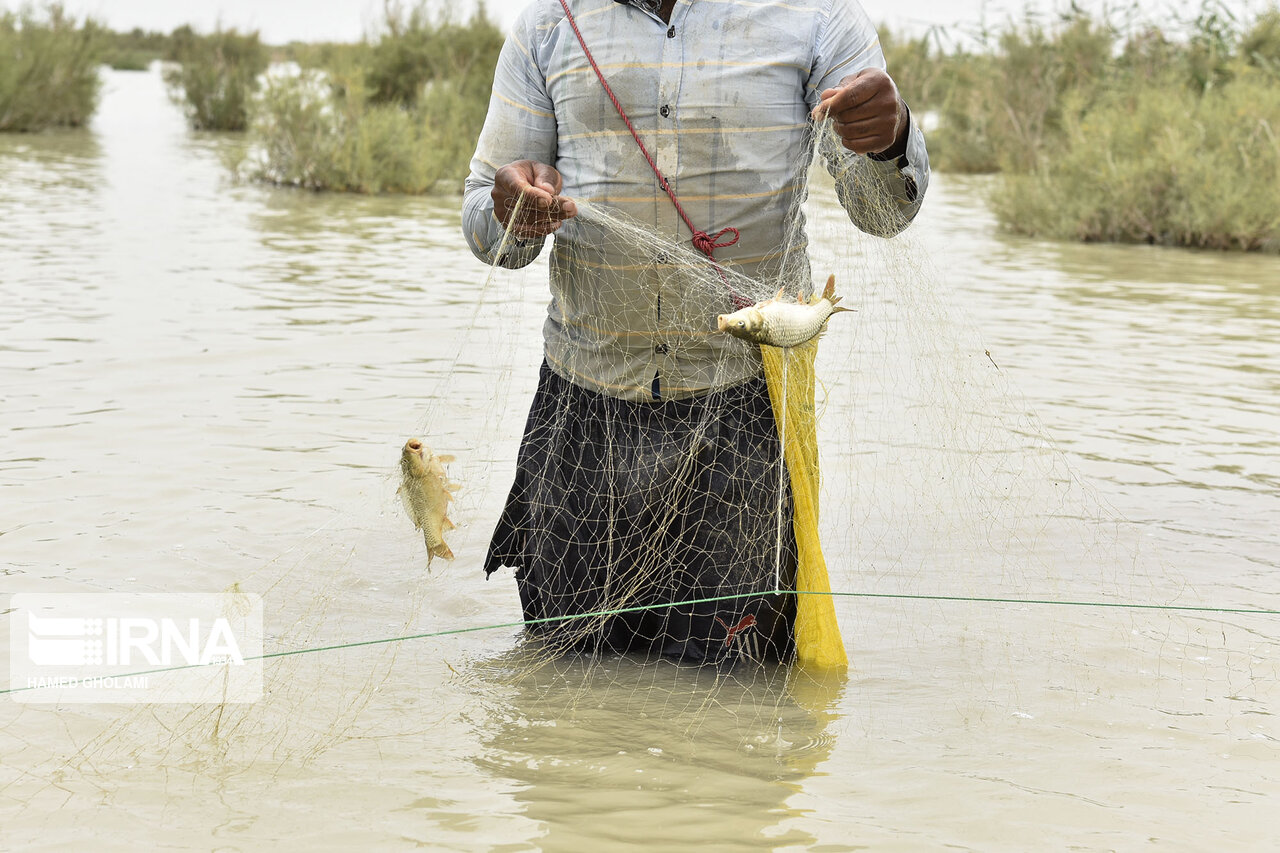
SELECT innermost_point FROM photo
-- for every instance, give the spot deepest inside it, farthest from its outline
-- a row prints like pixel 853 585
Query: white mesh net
pixel 943 504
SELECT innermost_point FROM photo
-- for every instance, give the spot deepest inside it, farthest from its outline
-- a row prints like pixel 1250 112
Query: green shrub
pixel 320 132
pixel 1260 46
pixel 1110 136
pixel 48 69
pixel 216 76
pixel 326 55
pixel 925 74
pixel 400 114
pixel 128 60
pixel 1004 109
pixel 1161 165
pixel 134 50
pixel 422 45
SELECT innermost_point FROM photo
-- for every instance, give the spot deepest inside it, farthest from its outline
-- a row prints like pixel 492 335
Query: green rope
pixel 1118 605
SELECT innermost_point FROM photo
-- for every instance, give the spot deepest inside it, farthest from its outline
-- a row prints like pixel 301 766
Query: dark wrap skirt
pixel 620 504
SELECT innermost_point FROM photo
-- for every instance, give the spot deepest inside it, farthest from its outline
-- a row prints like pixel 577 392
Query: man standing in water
pixel 649 468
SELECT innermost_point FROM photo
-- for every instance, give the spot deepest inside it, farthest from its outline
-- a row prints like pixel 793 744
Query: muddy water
pixel 207 383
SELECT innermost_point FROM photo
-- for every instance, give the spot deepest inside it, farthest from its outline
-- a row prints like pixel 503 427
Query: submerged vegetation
pixel 399 113
pixel 1107 134
pixel 216 76
pixel 48 69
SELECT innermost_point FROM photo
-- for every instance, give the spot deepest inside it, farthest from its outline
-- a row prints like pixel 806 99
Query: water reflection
pixel 55 160
pixel 50 193
pixel 331 259
pixel 1154 368
pixel 717 755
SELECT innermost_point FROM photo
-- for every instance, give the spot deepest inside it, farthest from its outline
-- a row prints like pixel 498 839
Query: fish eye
pixel 742 324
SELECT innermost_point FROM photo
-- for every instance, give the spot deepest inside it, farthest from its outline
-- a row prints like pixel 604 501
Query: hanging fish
pixel 782 324
pixel 426 491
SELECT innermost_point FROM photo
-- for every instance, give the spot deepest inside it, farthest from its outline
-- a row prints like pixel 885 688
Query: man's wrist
pixel 898 149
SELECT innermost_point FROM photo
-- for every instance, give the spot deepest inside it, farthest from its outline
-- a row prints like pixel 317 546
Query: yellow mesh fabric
pixel 790 374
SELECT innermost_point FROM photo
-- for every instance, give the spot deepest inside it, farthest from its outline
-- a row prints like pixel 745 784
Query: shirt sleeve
pixel 880 196
pixel 520 125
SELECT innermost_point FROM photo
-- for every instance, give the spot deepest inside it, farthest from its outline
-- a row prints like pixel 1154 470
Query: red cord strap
pixel 702 241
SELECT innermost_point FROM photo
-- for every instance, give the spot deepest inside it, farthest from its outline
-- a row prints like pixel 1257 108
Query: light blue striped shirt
pixel 721 96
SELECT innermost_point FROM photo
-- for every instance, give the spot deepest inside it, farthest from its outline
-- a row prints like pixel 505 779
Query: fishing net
pixel 899 470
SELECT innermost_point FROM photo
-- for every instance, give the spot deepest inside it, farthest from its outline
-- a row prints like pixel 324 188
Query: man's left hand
pixel 866 111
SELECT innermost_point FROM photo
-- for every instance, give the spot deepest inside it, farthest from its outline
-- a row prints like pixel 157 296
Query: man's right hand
pixel 544 210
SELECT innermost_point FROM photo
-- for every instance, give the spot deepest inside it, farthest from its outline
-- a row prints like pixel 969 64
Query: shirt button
pixel 665 111
pixel 662 349
pixel 671 32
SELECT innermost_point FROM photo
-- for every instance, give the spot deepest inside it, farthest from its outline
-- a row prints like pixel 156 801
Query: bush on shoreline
pixel 1099 133
pixel 1170 168
pixel 216 76
pixel 307 136
pixel 136 49
pixel 48 70
pixel 399 114
pixel 1142 138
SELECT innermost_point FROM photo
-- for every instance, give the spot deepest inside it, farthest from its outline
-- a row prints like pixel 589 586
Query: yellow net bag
pixel 790 375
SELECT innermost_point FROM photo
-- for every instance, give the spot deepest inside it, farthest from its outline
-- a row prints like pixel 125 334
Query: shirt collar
pixel 651 6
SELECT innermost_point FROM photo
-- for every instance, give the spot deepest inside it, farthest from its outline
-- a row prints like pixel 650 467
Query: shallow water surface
pixel 207 383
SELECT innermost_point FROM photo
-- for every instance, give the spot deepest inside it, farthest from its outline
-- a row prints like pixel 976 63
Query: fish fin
pixel 782 291
pixel 838 310
pixel 441 550
pixel 453 487
pixel 449 525
pixel 829 293
pixel 446 457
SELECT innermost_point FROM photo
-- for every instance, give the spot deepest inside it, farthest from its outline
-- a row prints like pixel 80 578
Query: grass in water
pixel 397 114
pixel 1171 168
pixel 1106 135
pixel 48 69
pixel 216 76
